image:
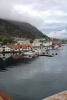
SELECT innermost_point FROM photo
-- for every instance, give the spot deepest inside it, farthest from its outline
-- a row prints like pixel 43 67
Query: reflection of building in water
pixel 9 59
pixel 17 56
pixel 5 55
pixel 2 64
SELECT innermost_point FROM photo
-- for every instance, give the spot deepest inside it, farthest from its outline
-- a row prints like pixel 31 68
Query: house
pixel 56 44
pixel 48 45
pixel 22 41
pixel 27 47
pixel 31 46
pixel 5 49
pixel 16 48
pixel 37 45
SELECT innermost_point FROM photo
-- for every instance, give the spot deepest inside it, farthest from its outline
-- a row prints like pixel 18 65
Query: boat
pixel 56 54
pixel 50 55
pixel 29 54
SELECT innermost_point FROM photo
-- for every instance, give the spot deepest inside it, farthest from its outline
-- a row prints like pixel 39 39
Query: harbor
pixel 33 49
pixel 30 50
pixel 43 76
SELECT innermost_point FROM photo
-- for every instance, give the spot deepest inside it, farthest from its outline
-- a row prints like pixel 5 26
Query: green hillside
pixel 19 29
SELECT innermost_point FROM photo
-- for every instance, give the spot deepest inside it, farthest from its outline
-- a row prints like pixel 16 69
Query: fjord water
pixel 36 78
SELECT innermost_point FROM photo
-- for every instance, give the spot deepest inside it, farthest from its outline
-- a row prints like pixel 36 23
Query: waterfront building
pixel 56 44
pixel 5 48
pixel 27 47
pixel 22 41
pixel 48 45
pixel 16 48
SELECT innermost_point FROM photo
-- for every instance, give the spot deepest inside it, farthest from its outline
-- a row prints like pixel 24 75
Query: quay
pixel 48 55
pixel 58 96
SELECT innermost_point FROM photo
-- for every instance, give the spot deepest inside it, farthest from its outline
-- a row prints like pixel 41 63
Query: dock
pixel 48 55
pixel 58 96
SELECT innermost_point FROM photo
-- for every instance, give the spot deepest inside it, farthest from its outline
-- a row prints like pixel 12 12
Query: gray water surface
pixel 37 78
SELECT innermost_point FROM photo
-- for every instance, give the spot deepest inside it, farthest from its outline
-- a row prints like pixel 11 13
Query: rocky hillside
pixel 19 29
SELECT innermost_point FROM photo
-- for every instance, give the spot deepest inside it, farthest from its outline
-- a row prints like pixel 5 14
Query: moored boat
pixel 28 54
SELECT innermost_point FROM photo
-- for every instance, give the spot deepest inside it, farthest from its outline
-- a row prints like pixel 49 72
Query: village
pixel 25 49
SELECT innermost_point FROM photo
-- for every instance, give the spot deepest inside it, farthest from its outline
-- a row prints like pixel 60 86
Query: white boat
pixel 28 53
pixel 27 56
pixel 39 51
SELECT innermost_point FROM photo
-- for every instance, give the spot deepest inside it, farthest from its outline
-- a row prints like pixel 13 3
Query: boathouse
pixel 27 47
pixel 5 49
pixel 16 48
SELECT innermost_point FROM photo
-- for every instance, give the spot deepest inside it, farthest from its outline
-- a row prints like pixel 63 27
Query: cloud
pixel 59 34
pixel 46 15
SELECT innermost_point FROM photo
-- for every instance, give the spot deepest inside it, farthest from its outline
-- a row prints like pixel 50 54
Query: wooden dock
pixel 58 96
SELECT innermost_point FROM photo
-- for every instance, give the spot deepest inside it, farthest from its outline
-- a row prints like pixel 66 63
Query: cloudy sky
pixel 49 16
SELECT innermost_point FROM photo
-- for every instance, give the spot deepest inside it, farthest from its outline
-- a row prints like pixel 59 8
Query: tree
pixel 0 39
pixel 31 41
pixel 10 40
pixel 5 40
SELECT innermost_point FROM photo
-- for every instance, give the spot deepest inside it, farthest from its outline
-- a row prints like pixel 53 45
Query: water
pixel 34 79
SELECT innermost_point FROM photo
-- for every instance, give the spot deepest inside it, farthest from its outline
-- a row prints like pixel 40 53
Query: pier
pixel 58 96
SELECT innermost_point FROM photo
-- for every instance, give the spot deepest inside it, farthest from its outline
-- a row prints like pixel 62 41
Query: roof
pixel 24 46
pixel 31 46
pixel 27 45
pixel 17 46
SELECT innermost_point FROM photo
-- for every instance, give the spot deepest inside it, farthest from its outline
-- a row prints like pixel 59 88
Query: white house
pixel 16 48
pixel 5 48
pixel 48 45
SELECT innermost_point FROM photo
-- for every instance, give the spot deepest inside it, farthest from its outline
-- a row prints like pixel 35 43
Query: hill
pixel 19 29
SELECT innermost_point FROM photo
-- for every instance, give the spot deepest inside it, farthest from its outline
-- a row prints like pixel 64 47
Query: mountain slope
pixel 18 29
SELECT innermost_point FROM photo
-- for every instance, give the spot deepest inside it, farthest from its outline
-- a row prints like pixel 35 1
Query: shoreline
pixel 59 96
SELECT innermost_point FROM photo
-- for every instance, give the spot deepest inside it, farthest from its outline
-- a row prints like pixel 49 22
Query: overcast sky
pixel 49 16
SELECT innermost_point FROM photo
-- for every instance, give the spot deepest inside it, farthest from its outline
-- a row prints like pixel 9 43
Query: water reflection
pixel 10 59
pixel 34 79
pixel 5 56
